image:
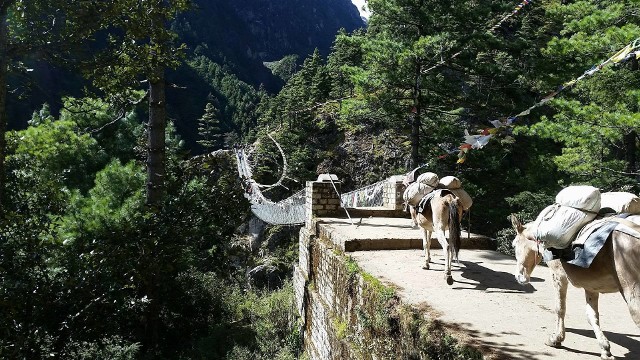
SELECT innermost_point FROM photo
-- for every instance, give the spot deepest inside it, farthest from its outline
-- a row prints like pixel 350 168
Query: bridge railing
pixel 386 193
pixel 368 196
pixel 323 199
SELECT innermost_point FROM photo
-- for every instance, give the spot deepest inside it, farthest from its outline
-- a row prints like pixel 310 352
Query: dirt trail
pixel 495 312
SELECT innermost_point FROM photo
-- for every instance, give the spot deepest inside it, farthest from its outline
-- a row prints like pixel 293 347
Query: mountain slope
pixel 237 35
pixel 248 33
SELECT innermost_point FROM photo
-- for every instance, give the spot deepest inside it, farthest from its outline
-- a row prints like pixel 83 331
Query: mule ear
pixel 517 225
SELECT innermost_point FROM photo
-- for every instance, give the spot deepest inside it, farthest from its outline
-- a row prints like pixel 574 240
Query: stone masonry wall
pixel 325 295
pixel 347 314
pixel 394 188
pixel 322 199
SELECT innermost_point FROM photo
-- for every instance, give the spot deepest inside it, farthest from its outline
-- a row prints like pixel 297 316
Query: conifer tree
pixel 596 120
pixel 48 29
pixel 407 42
pixel 209 128
pixel 143 46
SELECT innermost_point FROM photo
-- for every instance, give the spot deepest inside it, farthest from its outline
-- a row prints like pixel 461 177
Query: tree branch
pixel 621 172
pixel 122 114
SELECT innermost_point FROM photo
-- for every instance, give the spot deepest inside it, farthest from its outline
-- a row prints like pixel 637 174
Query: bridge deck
pixel 485 304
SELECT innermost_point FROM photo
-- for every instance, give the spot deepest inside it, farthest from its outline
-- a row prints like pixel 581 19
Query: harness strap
pixel 425 201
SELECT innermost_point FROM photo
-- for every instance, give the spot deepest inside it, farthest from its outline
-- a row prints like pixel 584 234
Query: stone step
pixel 385 233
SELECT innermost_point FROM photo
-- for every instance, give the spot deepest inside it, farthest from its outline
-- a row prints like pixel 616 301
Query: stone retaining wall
pixel 345 313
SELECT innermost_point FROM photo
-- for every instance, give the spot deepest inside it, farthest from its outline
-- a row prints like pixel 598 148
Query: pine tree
pixel 48 29
pixel 142 45
pixel 596 121
pixel 209 128
pixel 407 43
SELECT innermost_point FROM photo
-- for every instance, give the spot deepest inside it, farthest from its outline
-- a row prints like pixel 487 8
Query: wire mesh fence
pixel 368 196
pixel 289 211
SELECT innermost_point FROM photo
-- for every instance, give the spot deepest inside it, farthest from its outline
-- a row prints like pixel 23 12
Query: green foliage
pixel 237 101
pixel 52 158
pixel 47 160
pixel 116 130
pixel 209 128
pixel 265 325
pixel 52 24
pixel 591 135
pixel 272 318
pixel 139 44
pixel 283 68
pixel 304 123
pixel 29 322
pixel 595 120
pixel 114 201
pixel 114 348
pixel 110 278
pixel 147 270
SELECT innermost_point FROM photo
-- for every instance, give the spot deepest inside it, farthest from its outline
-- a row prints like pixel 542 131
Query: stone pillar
pixel 322 199
pixel 393 190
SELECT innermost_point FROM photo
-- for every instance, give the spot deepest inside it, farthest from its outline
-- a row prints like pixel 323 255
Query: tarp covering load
pixel 455 185
pixel 558 224
pixel 621 202
pixel 415 192
pixel 428 178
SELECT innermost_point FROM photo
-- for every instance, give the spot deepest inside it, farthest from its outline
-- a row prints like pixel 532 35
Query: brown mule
pixel 443 213
pixel 616 268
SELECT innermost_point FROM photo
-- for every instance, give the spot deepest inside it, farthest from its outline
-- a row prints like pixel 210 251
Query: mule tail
pixel 455 239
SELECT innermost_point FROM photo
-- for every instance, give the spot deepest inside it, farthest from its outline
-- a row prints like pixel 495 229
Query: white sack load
pixel 415 192
pixel 583 197
pixel 558 224
pixel 465 199
pixel 450 182
pixel 429 178
pixel 621 202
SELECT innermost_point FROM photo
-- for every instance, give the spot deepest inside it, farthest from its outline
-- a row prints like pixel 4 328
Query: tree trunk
pixel 4 69
pixel 156 139
pixel 416 122
pixel 630 152
pixel 415 139
pixel 630 139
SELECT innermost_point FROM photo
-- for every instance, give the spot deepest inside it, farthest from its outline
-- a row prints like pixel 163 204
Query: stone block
pixel 299 288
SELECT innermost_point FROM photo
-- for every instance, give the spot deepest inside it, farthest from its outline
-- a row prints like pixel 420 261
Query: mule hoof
pixel 426 266
pixel 607 357
pixel 449 280
pixel 553 343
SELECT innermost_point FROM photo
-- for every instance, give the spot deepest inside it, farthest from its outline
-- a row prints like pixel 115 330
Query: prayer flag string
pixel 511 14
pixel 493 28
pixel 632 50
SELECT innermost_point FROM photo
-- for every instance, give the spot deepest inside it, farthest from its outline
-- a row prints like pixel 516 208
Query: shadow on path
pixel 484 279
pixel 630 342
pixel 497 350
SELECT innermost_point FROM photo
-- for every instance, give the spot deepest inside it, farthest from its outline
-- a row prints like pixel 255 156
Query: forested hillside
pixel 257 42
pixel 117 242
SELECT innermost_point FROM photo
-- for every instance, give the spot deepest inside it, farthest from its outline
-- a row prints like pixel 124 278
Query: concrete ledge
pixel 382 233
pixel 377 212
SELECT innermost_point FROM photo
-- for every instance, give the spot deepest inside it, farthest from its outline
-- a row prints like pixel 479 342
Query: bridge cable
pixel 340 198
